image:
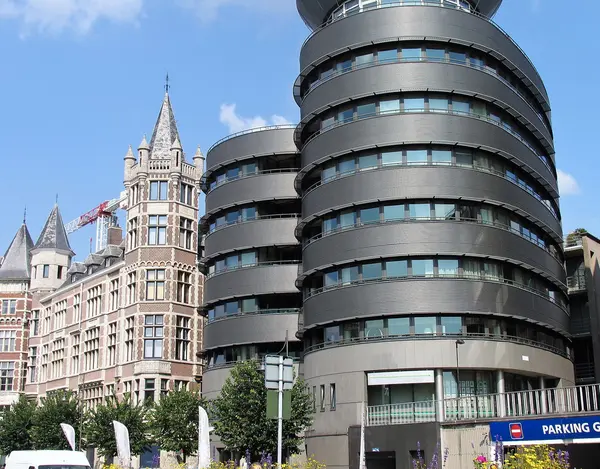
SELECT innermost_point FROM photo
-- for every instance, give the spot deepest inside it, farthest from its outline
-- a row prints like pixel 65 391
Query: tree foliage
pixel 174 422
pixel 99 427
pixel 15 426
pixel 58 407
pixel 240 413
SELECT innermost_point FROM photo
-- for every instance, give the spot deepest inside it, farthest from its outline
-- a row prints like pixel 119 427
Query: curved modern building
pixel 251 256
pixel 431 231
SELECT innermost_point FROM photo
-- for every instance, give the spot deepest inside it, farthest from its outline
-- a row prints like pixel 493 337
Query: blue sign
pixel 545 429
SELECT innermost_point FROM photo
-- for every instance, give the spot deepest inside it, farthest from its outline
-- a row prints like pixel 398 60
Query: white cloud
pixel 237 123
pixel 207 10
pixel 567 184
pixel 53 16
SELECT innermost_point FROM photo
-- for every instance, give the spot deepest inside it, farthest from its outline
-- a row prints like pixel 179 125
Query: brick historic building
pixel 125 319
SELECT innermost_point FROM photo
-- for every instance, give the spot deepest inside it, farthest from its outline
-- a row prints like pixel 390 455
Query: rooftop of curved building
pixel 250 131
pixel 315 12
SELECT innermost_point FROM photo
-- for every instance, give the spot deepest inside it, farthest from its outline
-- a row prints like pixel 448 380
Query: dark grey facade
pixel 250 254
pixel 429 215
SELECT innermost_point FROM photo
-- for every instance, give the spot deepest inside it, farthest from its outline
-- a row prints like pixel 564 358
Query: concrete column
pixel 500 387
pixel 543 400
pixel 439 394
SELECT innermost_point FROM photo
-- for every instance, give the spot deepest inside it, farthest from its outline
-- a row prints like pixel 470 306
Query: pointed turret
pixel 199 162
pixel 176 144
pixel 54 236
pixel 165 131
pixel 17 260
pixel 129 160
pixel 51 256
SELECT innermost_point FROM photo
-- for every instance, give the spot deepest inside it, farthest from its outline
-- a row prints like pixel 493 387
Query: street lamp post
pixel 457 343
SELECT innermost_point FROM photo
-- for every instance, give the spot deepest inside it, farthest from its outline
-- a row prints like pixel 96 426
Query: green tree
pixel 240 413
pixel 99 430
pixel 15 425
pixel 174 422
pixel 58 407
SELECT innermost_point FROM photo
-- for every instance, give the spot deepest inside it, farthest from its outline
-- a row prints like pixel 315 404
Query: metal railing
pixel 473 167
pixel 401 3
pixel 258 312
pixel 249 131
pixel 249 175
pixel 541 402
pixel 457 276
pixel 254 265
pixel 576 282
pixel 573 241
pixel 536 241
pixel 260 358
pixel 255 218
pixel 472 115
pixel 470 336
pixel 465 63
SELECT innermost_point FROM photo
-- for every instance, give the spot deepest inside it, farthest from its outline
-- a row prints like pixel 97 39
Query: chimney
pixel 115 235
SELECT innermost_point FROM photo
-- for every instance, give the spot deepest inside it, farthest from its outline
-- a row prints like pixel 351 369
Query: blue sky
pixel 83 79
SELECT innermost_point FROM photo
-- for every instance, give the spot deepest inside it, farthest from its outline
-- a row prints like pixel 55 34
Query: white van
pixel 47 459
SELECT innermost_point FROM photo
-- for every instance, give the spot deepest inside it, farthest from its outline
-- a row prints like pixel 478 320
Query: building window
pixel 59 272
pixel 44 372
pixel 7 373
pixel 322 398
pixel 164 387
pixel 129 338
pixel 60 314
pixel 157 229
pixel 91 347
pixel 94 301
pixel 186 194
pixel 155 284
pixel 57 358
pixel 92 396
pixel 182 338
pixel 132 233
pixel 332 396
pixel 8 340
pixel 32 365
pixel 114 294
pixel 112 344
pixel 110 390
pixel 153 336
pixel 46 271
pixel 75 354
pixel 135 194
pixel 77 308
pixel 185 233
pixel 131 287
pixel 314 399
pixel 35 322
pixel 179 385
pixel 149 387
pixel 9 307
pixel 159 190
pixel 184 286
pixel 47 320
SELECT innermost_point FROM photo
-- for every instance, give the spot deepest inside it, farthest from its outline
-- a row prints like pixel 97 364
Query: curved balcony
pixel 427 238
pixel 427 127
pixel 269 230
pixel 259 279
pixel 251 328
pixel 426 182
pixel 427 75
pixel 422 22
pixel 263 186
pixel 460 294
pixel 271 140
pixel 477 354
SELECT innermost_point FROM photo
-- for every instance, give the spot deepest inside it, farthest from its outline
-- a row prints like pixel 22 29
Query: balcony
pixel 560 401
pixel 152 367
pixel 576 283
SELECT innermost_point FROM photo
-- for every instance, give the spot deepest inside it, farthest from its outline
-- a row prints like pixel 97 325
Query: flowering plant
pixel 420 463
pixel 525 457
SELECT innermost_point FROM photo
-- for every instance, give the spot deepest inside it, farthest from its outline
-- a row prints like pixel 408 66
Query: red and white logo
pixel 516 431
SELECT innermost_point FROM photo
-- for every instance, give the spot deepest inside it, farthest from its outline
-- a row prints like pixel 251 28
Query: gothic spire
pixel 54 235
pixel 17 260
pixel 165 131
